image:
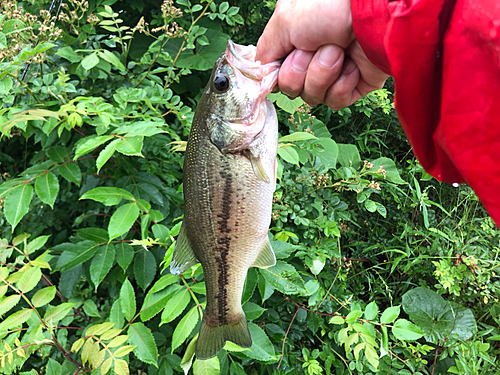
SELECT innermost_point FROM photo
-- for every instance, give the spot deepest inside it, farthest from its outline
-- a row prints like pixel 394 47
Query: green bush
pixel 381 268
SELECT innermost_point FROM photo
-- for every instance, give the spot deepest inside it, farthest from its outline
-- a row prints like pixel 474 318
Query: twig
pixel 286 334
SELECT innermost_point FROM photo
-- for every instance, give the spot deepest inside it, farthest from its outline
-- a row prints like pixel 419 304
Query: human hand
pixel 324 62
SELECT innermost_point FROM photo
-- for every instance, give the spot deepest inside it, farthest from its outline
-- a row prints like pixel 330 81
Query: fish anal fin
pixel 212 338
pixel 183 257
pixel 258 168
pixel 266 257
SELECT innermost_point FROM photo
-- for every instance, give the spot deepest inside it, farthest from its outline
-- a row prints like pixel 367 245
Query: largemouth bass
pixel 229 181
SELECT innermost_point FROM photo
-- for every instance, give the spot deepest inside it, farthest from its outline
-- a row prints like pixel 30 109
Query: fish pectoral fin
pixel 258 168
pixel 212 338
pixel 183 257
pixel 266 256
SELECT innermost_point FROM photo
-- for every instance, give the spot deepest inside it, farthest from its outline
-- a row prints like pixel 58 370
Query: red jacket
pixel 445 60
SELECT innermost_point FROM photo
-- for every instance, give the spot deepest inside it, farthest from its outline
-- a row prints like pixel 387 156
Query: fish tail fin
pixel 212 338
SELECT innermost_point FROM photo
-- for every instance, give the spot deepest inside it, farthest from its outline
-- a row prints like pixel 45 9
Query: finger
pixel 343 92
pixel 371 77
pixel 322 72
pixel 292 74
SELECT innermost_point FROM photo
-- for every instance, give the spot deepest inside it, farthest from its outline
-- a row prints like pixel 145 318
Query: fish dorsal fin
pixel 183 257
pixel 258 168
pixel 266 256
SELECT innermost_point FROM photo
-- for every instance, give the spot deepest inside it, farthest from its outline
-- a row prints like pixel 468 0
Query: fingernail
pixel 300 61
pixel 328 56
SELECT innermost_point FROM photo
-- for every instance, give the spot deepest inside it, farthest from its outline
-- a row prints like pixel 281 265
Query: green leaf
pixel 102 263
pixel 77 254
pixel 405 330
pixel 289 154
pixel 130 146
pixel 93 234
pixel 262 349
pixel 284 278
pixel 53 368
pixel 144 268
pixel 122 220
pixel 105 154
pixel 206 367
pixel 285 103
pixel 15 320
pixel 88 144
pixel 370 205
pixel 349 156
pixel 29 279
pixel 145 348
pixel 185 327
pixel 17 203
pixel 164 281
pixel 389 166
pixel 250 283
pixel 160 232
pixel 57 154
pixel 176 306
pixel 327 153
pixel 43 296
pixel 437 318
pixel 124 254
pixel 371 311
pixel 47 188
pixel 90 61
pixel 71 172
pixel 154 302
pixel 109 196
pixel 337 319
pixel 252 311
pixel 116 314
pixel 67 53
pixel 7 303
pixel 5 85
pixel 56 313
pixel 390 314
pixel 99 329
pixel 127 300
pixel 297 136
pixel 112 59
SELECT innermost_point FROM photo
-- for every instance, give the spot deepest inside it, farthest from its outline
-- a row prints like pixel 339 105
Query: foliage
pixel 381 269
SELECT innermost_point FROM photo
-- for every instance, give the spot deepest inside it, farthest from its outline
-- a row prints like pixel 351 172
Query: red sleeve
pixel 444 56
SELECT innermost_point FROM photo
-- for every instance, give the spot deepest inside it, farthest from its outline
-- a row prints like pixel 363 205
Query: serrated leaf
pixel 93 234
pixel 71 172
pixel 121 367
pixel 284 278
pixel 109 196
pixel 8 303
pixel 77 345
pixel 117 341
pixel 101 263
pixel 29 279
pixel 176 305
pixel 185 327
pixel 99 358
pixel 17 203
pixel 56 313
pixel 77 254
pixel 154 302
pixel 105 154
pixel 390 314
pixel 262 349
pixel 145 349
pixel 164 281
pixel 122 220
pixel 99 329
pixel 87 350
pixel 43 296
pixel 37 244
pixel 16 319
pixel 124 350
pixel 144 268
pixel 47 188
pixel 105 367
pixel 206 367
pixel 130 146
pixel 111 333
pixel 124 254
pixel 87 144
pixel 252 311
pixel 127 300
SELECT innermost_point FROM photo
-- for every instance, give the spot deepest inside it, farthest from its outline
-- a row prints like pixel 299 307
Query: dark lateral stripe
pixel 224 243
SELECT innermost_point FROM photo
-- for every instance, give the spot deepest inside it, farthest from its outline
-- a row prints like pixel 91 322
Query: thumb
pixel 274 43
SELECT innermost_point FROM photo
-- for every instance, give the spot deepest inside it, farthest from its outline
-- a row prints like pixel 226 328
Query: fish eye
pixel 221 83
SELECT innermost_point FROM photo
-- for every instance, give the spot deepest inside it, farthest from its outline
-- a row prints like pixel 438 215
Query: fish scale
pixel 229 181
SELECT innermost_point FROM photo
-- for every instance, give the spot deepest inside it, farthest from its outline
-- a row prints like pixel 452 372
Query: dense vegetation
pixel 381 268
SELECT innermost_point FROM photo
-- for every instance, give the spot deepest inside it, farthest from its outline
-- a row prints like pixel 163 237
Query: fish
pixel 229 178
